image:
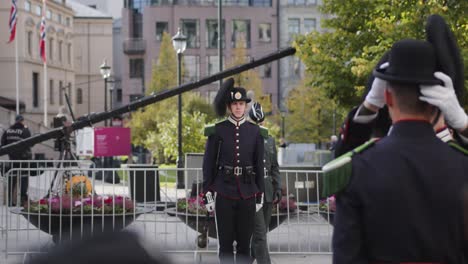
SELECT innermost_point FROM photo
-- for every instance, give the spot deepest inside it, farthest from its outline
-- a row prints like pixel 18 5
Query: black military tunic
pixel 233 168
pixel 239 171
pixel 403 201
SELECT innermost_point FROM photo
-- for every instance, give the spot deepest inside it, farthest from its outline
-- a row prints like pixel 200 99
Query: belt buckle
pixel 238 171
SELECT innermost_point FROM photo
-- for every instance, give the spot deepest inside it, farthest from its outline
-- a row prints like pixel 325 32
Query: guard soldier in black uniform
pixel 233 170
pixel 272 195
pixel 401 196
pixel 15 133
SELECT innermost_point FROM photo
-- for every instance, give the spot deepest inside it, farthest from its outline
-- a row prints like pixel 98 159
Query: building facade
pixel 297 17
pixel 143 23
pixel 73 59
pixel 92 36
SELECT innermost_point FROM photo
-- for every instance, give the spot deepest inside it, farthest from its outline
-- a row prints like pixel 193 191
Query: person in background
pixel 17 132
pixel 273 193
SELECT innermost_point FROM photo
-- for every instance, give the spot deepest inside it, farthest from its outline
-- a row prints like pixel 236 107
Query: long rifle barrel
pixel 151 99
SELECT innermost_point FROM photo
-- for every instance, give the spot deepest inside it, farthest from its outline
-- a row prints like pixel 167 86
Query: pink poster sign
pixel 111 141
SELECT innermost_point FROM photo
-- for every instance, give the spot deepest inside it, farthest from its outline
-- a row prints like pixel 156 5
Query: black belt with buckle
pixel 231 173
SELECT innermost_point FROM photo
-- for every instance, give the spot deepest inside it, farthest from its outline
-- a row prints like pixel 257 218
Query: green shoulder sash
pixel 457 147
pixel 264 132
pixel 336 173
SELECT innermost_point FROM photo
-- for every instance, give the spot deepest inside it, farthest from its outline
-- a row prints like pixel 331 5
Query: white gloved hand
pixel 258 203
pixel 444 98
pixel 376 94
pixel 209 201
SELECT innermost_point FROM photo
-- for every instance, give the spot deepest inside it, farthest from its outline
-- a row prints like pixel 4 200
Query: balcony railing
pixel 134 46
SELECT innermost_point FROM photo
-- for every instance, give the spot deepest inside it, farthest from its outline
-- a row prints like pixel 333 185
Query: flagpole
pixel 45 67
pixel 17 78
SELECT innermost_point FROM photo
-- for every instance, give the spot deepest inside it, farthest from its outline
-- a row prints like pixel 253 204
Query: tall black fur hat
pixel 223 96
pixel 449 60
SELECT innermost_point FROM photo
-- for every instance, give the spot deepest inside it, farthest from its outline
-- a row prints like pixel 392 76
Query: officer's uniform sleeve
pixel 348 246
pixel 274 171
pixel 259 165
pixel 209 161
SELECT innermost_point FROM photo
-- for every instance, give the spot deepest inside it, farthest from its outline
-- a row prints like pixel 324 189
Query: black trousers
pixel 235 222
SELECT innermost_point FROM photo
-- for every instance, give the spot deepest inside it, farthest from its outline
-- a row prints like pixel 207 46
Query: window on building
pixel 293 28
pixel 136 68
pixel 240 34
pixel 190 29
pixel 264 3
pixel 311 2
pixel 161 27
pixel 49 14
pixel 35 91
pixel 69 53
pixel 265 71
pixel 70 92
pixel 51 92
pixel 27 6
pixel 30 43
pixel 67 21
pixel 79 96
pixel 264 32
pixel 61 90
pixel 137 22
pixel 50 55
pixel 60 44
pixel 212 64
pixel 59 18
pixel 310 25
pixel 294 67
pixel 192 68
pixel 38 10
pixel 212 33
pixel 119 95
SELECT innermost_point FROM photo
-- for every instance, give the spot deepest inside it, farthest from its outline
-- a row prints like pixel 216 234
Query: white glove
pixel 444 98
pixel 376 94
pixel 258 203
pixel 208 200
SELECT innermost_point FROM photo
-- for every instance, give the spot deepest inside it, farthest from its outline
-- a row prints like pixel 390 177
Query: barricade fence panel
pixel 49 203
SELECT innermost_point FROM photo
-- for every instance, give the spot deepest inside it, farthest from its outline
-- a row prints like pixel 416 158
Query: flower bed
pixel 327 209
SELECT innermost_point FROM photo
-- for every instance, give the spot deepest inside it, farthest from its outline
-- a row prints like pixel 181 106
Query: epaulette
pixel 264 132
pixel 209 130
pixel 336 173
pixel 457 147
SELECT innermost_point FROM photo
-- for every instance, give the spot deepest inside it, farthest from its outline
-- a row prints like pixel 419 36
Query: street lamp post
pixel 105 72
pixel 179 41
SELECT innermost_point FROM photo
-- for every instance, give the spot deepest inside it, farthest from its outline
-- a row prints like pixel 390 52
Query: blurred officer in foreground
pixel 402 199
pixel 371 118
pixel 112 247
pixel 233 173
pixel 17 132
pixel 272 195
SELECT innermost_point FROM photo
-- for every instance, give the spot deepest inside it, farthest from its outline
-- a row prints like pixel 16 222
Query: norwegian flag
pixel 42 42
pixel 12 21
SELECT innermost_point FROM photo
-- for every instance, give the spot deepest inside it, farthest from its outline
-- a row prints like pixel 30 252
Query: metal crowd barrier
pixel 147 202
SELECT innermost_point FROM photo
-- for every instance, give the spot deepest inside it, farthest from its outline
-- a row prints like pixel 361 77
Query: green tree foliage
pixel 192 134
pixel 360 31
pixel 149 125
pixel 310 118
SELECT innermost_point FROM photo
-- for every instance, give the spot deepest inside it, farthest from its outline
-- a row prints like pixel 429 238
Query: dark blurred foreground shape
pixel 112 247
